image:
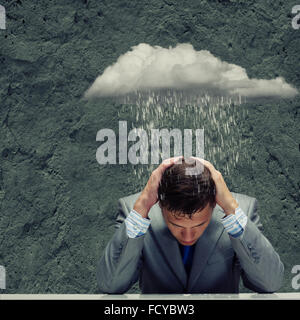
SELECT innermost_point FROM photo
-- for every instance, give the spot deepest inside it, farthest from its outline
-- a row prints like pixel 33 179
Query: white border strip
pixel 241 296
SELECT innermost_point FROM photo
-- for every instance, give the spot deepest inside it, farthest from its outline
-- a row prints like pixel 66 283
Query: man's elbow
pixel 279 282
pixel 108 290
pixel 107 286
pixel 104 289
pixel 275 280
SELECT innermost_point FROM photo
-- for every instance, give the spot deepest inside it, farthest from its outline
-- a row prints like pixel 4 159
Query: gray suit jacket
pixel 219 259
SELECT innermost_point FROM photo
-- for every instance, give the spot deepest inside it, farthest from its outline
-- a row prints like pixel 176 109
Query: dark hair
pixel 183 193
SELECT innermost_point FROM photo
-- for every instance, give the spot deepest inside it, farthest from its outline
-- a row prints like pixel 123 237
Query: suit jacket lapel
pixel 167 243
pixel 205 246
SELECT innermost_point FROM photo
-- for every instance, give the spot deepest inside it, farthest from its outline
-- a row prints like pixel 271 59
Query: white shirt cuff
pixel 235 223
pixel 136 225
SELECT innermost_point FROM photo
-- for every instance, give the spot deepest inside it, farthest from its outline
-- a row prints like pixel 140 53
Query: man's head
pixel 187 200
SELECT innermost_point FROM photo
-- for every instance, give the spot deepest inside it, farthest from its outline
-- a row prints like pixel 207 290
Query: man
pixel 187 233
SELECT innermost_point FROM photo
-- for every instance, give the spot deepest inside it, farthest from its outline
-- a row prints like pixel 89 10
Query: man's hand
pixel 224 197
pixel 149 195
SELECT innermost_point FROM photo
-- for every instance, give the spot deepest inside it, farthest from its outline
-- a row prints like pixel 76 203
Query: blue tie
pixel 186 254
pixel 187 257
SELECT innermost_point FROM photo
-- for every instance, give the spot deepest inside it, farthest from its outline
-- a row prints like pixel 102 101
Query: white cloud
pixel 146 67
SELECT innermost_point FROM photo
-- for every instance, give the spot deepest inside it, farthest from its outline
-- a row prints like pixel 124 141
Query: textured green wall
pixel 57 204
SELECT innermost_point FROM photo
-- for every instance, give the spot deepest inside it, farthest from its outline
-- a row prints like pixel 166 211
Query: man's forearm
pixel 260 262
pixel 142 206
pixel 119 266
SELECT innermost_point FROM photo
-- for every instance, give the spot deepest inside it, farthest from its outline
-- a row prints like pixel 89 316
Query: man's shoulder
pixel 130 199
pixel 246 202
pixel 242 197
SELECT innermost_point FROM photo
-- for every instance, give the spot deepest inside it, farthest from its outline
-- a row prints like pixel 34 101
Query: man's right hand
pixel 149 195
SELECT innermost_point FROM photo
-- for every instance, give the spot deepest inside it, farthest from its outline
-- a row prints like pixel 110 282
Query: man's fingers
pixel 206 163
pixel 170 161
pixel 158 172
